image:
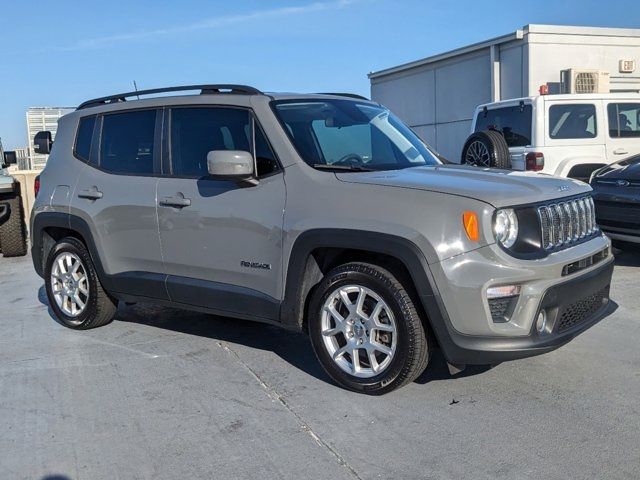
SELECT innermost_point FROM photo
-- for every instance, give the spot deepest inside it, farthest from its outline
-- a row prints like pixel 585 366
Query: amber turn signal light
pixel 471 225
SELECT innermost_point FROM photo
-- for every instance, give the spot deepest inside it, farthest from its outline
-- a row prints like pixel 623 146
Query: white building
pixel 22 155
pixel 437 95
pixel 39 119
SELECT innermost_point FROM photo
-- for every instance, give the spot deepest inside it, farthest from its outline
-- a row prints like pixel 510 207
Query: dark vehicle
pixel 616 193
pixel 13 233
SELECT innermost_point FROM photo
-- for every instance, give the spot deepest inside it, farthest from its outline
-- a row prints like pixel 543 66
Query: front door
pixel 623 136
pixel 221 241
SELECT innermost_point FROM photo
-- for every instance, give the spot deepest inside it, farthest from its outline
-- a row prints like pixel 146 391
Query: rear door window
pixel 572 121
pixel 513 122
pixel 624 120
pixel 127 145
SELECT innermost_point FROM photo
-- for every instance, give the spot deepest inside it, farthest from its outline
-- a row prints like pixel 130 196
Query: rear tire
pixel 13 234
pixel 73 288
pixel 486 149
pixel 379 318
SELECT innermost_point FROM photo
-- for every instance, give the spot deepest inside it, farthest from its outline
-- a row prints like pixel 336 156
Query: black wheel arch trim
pixel 44 220
pixel 402 249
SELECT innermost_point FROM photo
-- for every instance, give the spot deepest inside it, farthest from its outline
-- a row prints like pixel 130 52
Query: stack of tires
pixel 486 149
pixel 13 234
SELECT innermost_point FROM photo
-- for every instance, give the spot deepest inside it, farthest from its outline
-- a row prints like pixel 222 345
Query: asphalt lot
pixel 168 394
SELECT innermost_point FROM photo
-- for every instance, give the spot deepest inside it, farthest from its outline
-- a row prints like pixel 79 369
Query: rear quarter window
pixel 513 122
pixel 84 136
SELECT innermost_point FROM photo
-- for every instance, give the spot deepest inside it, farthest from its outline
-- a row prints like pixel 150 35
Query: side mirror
pixel 232 165
pixel 43 142
pixel 10 158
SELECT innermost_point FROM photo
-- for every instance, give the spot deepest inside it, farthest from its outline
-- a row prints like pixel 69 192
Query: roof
pixel 568 97
pixel 221 90
pixel 517 35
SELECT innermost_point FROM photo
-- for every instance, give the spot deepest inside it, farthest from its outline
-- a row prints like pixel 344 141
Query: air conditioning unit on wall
pixel 574 80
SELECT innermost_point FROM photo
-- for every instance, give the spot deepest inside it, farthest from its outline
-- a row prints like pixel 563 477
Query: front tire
pixel 73 288
pixel 365 329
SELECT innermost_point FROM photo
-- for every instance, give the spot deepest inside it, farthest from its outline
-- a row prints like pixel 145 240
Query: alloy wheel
pixel 358 330
pixel 70 284
pixel 478 155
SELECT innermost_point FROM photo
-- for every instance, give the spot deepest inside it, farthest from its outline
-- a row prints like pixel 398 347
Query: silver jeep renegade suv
pixel 322 213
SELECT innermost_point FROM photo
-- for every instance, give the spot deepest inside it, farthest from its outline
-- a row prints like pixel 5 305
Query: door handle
pixel 176 202
pixel 90 193
pixel 620 151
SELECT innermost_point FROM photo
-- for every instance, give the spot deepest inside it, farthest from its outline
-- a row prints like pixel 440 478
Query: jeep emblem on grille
pixel 622 183
pixel 563 188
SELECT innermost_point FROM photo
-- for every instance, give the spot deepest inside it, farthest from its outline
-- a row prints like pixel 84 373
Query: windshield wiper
pixel 346 168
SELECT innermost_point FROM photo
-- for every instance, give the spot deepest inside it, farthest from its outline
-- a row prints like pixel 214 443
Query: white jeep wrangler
pixel 567 135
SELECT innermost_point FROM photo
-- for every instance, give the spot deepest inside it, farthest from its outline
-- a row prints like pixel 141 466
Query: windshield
pixel 346 134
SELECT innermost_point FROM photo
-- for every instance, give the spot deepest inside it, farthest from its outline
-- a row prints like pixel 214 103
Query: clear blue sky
pixel 61 53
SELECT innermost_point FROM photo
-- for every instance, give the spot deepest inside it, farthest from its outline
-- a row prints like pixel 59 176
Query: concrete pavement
pixel 165 394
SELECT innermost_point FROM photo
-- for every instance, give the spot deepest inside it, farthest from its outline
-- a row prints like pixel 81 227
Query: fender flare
pixel 402 249
pixel 44 220
pixel 567 163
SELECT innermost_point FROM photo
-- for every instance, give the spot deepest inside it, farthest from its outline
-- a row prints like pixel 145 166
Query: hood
pixel 628 169
pixel 499 188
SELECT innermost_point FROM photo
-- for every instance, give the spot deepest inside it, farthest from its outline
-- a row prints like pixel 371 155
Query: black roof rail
pixel 204 90
pixel 349 95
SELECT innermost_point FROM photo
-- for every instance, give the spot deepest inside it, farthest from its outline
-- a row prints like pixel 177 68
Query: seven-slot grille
pixel 567 222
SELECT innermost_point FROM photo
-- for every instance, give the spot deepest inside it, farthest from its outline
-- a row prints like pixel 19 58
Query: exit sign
pixel 627 66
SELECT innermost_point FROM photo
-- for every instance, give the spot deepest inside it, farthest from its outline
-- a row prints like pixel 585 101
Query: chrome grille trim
pixel 547 233
pixel 565 223
pixel 556 224
pixel 592 214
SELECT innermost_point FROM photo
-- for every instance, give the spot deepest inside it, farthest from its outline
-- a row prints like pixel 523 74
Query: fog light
pixel 504 291
pixel 541 322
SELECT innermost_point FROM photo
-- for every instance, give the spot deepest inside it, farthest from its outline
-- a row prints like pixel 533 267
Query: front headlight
pixel 505 227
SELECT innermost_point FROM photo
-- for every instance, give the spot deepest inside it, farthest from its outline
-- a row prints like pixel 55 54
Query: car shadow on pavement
pixel 439 370
pixel 292 347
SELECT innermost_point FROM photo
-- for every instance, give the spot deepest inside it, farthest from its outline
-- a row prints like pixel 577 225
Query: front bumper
pixel 572 307
pixel 618 212
pixel 564 282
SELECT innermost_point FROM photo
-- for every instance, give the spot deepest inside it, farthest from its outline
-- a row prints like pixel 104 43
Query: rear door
pixel 116 196
pixel 515 123
pixel 222 241
pixel 623 136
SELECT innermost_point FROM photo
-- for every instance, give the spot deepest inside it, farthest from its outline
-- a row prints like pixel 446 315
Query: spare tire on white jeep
pixel 487 148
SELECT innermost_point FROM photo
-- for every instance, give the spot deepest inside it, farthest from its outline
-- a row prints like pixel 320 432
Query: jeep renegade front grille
pixel 565 223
